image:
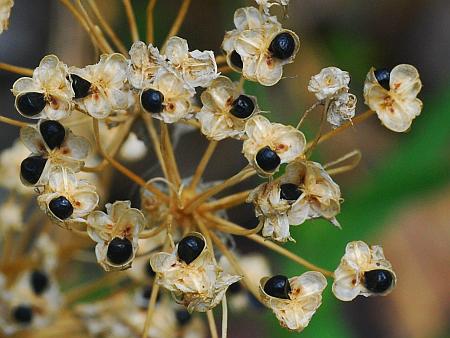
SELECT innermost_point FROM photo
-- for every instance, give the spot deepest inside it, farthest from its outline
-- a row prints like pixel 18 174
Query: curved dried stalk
pixel 306 113
pixel 226 202
pixel 148 120
pixel 212 324
pixel 232 228
pixel 169 156
pixel 224 317
pixel 12 122
pixel 355 155
pixel 150 24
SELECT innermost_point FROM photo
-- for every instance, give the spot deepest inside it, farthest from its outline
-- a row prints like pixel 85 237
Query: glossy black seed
pixel 22 314
pixel 149 271
pixel 53 133
pixel 119 250
pixel 242 107
pixel 183 317
pixel 39 281
pixel 152 101
pixel 235 288
pixel 282 46
pixel 61 207
pixel 290 192
pixel 31 104
pixel 383 77
pixel 189 248
pixel 236 60
pixel 267 159
pixel 31 168
pixel 80 86
pixel 278 286
pixel 378 281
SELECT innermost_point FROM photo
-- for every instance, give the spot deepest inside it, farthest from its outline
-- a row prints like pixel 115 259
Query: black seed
pixel 31 168
pixel 290 192
pixel 39 281
pixel 31 104
pixel 152 101
pixel 278 286
pixel 80 86
pixel 119 250
pixel 236 60
pixel 282 46
pixel 149 271
pixel 53 133
pixel 189 248
pixel 235 287
pixel 183 317
pixel 378 281
pixel 267 159
pixel 61 207
pixel 23 314
pixel 242 107
pixel 383 77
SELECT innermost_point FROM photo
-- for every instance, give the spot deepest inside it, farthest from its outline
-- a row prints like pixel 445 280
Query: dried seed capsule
pixel 39 281
pixel 236 60
pixel 152 101
pixel 267 159
pixel 282 46
pixel 53 133
pixel 383 77
pixel 80 86
pixel 61 207
pixel 119 250
pixel 31 104
pixel 242 107
pixel 278 286
pixel 290 192
pixel 23 314
pixel 183 317
pixel 31 168
pixel 189 248
pixel 378 281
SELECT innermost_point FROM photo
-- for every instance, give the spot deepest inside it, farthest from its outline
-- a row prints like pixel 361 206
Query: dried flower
pixel 199 284
pixel 271 144
pixel 363 271
pixel 301 298
pixel 67 199
pixel 329 82
pixel 393 96
pixel 145 62
pixel 5 11
pixel 225 110
pixel 116 234
pixel 47 94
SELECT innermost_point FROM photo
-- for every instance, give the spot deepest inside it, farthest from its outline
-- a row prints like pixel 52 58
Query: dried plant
pixel 179 240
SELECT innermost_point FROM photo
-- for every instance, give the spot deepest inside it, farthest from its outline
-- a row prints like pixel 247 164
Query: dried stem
pixel 225 69
pixel 355 155
pixel 154 137
pixel 179 19
pixel 95 30
pixel 233 180
pixel 212 324
pixel 12 122
pixel 107 28
pixel 150 24
pixel 290 255
pixel 131 20
pixel 224 316
pixel 125 171
pixel 232 228
pixel 151 306
pixel 202 165
pixel 221 59
pixel 310 146
pixel 235 264
pixel 306 113
pixel 16 69
pixel 226 202
pixel 358 119
pixel 169 156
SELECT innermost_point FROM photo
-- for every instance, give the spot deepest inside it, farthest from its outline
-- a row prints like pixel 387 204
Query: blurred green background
pixel 399 196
